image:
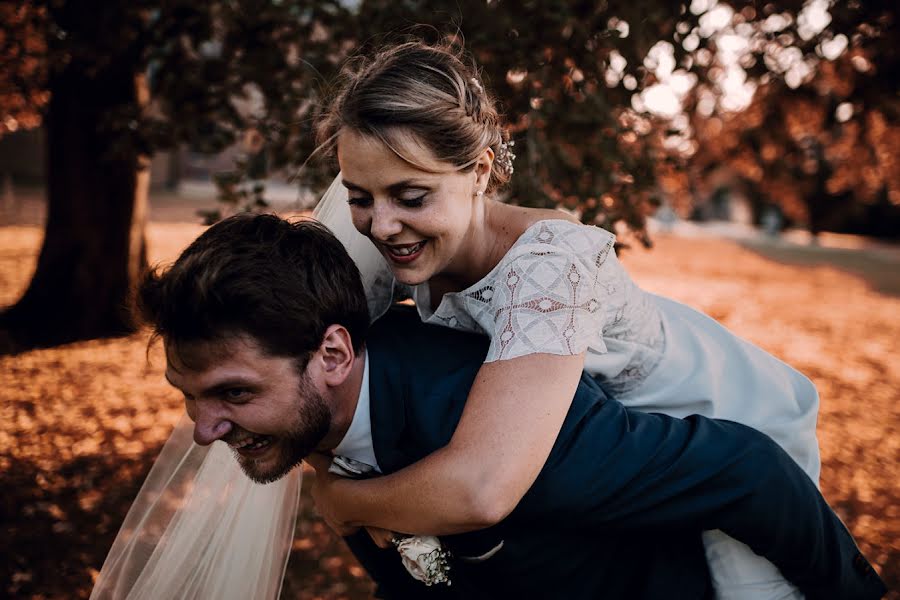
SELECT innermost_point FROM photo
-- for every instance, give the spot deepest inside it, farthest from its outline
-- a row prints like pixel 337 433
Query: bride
pixel 423 153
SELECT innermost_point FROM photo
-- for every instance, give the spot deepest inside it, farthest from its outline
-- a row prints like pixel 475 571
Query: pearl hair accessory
pixel 505 157
pixel 477 86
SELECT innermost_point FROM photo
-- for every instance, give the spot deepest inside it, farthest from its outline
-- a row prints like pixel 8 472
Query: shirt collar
pixel 357 442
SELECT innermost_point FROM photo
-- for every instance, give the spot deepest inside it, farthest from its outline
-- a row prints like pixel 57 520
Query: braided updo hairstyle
pixel 433 92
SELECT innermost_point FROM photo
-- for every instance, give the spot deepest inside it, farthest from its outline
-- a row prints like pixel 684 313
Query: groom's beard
pixel 311 424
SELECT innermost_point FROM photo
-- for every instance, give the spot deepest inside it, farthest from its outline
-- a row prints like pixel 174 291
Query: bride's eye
pixel 416 202
pixel 360 201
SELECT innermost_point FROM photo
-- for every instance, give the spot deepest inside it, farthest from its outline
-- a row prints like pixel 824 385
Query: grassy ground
pixel 80 425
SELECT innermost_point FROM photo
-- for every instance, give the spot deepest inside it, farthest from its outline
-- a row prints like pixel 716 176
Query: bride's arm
pixel 510 422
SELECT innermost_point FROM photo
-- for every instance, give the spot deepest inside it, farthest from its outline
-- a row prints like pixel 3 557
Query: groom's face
pixel 268 412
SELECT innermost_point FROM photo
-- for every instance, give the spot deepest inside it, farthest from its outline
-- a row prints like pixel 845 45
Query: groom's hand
pixel 322 489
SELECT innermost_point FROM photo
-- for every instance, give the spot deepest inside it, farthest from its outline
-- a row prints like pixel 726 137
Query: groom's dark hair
pixel 283 283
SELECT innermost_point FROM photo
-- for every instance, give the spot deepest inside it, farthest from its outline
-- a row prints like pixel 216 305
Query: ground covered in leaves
pixel 81 424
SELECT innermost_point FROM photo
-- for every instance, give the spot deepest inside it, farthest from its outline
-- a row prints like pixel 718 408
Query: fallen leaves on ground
pixel 80 425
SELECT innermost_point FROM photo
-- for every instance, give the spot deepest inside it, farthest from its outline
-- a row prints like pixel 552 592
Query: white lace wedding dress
pixel 561 290
pixel 200 529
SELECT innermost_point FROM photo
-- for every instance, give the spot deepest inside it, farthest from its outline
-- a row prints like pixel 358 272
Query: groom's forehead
pixel 202 355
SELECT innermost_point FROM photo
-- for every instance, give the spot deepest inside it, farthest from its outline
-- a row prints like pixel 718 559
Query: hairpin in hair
pixel 477 86
pixel 504 157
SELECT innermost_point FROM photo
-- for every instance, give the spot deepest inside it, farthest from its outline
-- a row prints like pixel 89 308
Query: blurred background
pixel 745 154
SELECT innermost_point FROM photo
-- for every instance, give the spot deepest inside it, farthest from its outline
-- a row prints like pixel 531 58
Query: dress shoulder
pixel 586 241
pixel 543 297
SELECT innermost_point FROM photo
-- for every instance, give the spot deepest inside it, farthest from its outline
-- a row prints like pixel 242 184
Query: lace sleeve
pixel 546 298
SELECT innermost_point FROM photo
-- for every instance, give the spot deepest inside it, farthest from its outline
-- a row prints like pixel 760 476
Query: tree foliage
pixel 820 137
pixel 576 80
pixel 566 73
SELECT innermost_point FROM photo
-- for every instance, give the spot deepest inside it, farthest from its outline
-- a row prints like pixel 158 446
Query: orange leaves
pixel 80 425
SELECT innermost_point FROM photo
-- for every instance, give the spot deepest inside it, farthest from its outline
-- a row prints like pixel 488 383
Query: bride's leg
pixel 738 573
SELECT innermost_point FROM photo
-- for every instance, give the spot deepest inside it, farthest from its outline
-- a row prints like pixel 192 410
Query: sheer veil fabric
pixel 377 279
pixel 199 528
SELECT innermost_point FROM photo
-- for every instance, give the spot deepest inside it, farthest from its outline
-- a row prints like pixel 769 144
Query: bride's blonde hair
pixel 431 91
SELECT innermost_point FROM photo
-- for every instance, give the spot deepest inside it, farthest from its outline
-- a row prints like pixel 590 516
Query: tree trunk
pixel 94 246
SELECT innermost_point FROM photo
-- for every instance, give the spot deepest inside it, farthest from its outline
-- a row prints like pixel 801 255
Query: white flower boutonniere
pixel 424 558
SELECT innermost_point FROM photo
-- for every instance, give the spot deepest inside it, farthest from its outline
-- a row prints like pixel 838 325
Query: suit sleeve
pixel 619 469
pixel 615 469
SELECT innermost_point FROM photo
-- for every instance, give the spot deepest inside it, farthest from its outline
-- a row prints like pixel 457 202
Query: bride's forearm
pixel 442 494
pixel 511 419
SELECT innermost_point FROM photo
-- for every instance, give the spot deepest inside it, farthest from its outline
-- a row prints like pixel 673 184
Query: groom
pixel 267 335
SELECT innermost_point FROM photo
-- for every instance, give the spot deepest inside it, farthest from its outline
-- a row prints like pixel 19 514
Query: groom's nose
pixel 209 427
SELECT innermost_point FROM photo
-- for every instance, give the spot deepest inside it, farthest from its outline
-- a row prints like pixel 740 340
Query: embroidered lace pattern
pixel 559 290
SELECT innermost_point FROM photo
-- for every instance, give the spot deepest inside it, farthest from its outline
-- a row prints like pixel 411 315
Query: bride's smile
pixel 424 215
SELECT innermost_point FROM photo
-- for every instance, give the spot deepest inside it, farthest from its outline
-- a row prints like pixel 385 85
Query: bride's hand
pixel 325 496
pixel 382 537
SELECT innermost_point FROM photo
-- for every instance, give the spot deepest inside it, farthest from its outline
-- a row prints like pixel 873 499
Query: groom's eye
pixel 236 394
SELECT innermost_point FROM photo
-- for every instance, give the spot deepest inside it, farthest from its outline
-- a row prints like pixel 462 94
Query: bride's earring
pixel 479 193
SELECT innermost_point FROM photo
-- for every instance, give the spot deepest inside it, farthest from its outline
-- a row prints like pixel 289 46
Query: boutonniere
pixel 424 558
pixel 422 555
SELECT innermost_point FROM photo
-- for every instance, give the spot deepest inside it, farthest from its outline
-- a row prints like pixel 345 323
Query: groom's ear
pixel 336 355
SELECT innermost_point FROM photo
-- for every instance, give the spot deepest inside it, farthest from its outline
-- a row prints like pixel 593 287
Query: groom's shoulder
pixel 398 316
pixel 401 329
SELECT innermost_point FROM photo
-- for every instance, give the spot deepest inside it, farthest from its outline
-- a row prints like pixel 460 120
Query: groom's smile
pixel 249 445
pixel 269 414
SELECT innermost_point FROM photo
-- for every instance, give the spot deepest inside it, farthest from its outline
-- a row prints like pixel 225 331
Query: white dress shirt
pixel 357 442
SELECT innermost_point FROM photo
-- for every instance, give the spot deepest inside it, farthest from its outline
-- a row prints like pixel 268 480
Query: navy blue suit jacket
pixel 618 508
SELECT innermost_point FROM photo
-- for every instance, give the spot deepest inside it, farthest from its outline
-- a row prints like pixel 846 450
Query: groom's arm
pixel 613 468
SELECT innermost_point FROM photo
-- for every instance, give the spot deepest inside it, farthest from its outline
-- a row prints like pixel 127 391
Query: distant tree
pixel 820 136
pixel 23 54
pixel 116 82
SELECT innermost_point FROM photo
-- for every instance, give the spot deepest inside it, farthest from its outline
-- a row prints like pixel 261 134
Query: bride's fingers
pixel 381 537
pixel 319 462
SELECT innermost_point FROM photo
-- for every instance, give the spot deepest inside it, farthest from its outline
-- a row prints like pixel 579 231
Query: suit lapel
pixel 387 410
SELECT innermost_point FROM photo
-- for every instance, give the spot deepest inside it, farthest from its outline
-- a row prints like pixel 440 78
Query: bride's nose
pixel 385 222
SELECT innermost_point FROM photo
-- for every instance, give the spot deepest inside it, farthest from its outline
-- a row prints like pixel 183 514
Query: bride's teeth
pixel 408 250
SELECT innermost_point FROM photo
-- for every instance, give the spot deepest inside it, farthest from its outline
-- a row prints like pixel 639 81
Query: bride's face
pixel 258 404
pixel 421 219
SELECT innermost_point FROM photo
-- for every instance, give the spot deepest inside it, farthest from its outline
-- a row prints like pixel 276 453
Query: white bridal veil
pixel 199 528
pixel 378 281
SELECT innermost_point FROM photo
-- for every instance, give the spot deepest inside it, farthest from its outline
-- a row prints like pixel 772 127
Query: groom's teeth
pixel 254 442
pixel 261 443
